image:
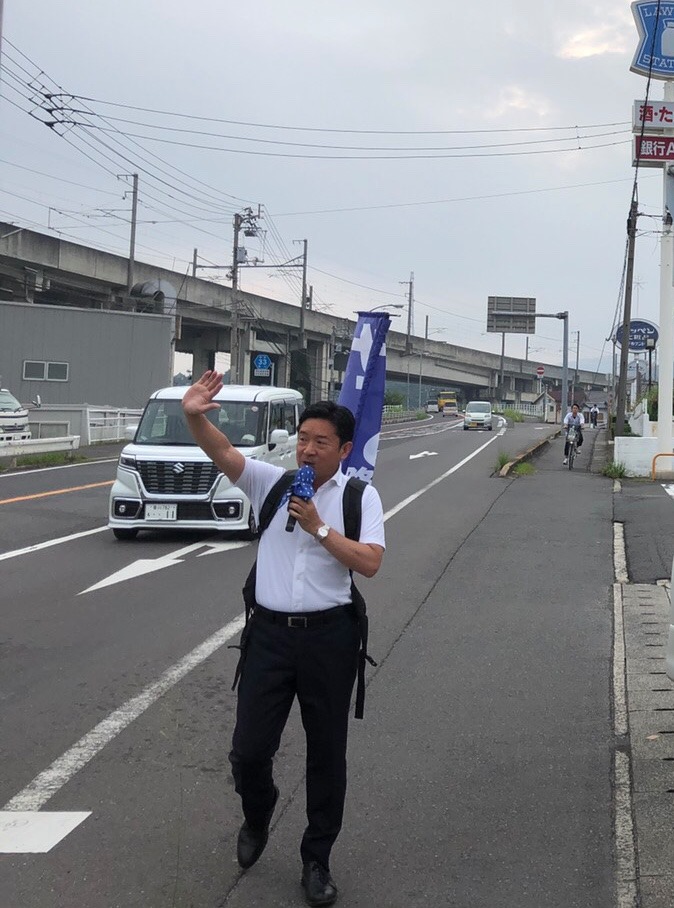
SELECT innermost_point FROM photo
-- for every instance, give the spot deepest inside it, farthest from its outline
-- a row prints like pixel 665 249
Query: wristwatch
pixel 322 533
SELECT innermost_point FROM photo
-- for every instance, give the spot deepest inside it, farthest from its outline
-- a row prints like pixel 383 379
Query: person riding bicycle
pixel 574 418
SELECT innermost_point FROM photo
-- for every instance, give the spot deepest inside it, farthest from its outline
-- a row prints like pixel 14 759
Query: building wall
pixel 114 358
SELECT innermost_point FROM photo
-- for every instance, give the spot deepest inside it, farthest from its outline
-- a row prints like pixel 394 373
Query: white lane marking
pixel 619 694
pixel 148 565
pixel 669 488
pixel 403 504
pixel 502 432
pixel 65 466
pixel 50 542
pixel 619 553
pixel 424 454
pixel 626 865
pixel 29 832
pixel 36 794
pixel 45 785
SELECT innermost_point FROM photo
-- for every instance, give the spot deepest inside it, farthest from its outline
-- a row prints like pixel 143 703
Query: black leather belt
pixel 299 619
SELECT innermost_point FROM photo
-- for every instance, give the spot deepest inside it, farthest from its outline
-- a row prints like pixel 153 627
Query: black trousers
pixel 318 665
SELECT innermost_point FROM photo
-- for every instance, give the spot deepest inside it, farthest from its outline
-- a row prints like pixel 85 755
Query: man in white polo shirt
pixel 303 637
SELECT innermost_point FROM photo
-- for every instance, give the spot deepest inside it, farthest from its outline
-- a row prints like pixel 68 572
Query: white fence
pixel 93 424
pixel 109 425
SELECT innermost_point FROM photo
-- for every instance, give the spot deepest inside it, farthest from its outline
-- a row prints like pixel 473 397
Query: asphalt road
pixel 479 777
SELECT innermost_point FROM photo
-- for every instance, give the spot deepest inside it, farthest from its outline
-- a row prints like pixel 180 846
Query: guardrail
pixel 14 449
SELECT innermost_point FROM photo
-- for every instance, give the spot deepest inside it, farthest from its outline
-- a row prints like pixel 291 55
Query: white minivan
pixel 165 481
pixel 478 415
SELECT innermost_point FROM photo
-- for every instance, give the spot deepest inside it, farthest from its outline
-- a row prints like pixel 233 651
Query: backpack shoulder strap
pixel 352 507
pixel 274 496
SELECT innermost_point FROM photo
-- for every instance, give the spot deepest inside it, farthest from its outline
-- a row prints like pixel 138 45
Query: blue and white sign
pixel 655 53
pixel 640 331
pixel 262 361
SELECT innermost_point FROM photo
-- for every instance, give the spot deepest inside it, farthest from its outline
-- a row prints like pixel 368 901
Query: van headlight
pixel 128 461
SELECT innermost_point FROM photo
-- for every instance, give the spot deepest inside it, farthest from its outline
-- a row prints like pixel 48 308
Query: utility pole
pixel 1 15
pixel 234 370
pixel 303 301
pixel 194 264
pixel 502 380
pixel 331 362
pixel 421 360
pixel 132 244
pixel 576 376
pixel 410 301
pixel 627 314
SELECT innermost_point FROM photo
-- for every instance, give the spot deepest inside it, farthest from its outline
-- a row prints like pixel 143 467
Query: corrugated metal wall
pixel 114 358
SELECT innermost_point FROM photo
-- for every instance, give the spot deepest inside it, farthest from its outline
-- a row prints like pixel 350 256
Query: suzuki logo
pixel 178 468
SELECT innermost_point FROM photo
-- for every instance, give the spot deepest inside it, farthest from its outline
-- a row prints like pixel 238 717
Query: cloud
pixel 614 37
pixel 513 100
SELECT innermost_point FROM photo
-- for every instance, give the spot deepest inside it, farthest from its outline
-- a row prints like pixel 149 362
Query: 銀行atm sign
pixel 652 152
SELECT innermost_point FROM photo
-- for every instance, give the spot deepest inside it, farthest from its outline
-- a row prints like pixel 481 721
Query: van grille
pixel 177 477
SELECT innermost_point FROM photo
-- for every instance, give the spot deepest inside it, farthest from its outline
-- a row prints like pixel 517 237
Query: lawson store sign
pixel 655 54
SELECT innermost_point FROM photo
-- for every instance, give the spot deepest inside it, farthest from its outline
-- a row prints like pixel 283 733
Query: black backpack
pixel 352 512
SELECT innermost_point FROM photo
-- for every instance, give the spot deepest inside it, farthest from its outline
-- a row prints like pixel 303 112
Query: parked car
pixel 165 481
pixel 478 415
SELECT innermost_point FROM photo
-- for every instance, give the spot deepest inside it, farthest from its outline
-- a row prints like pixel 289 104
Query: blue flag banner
pixel 363 391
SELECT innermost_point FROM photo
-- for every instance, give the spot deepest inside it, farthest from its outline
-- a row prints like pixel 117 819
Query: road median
pixel 528 454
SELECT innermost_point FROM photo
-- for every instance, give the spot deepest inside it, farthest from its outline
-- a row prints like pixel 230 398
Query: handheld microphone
pixel 303 487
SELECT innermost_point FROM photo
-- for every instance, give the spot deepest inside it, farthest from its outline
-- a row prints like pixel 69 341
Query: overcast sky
pixel 484 147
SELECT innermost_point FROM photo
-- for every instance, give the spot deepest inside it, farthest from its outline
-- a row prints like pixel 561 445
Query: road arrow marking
pixel 30 832
pixel 148 565
pixel 424 454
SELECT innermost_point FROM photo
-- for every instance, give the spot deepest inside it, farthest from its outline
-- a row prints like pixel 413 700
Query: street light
pixel 387 306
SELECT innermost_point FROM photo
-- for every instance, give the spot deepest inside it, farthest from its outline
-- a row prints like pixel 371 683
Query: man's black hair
pixel 341 418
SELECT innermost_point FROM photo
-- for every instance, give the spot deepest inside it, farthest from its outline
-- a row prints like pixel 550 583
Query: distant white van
pixel 165 481
pixel 13 418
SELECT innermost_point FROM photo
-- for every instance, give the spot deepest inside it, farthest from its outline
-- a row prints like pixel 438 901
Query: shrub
pixel 501 460
pixel 513 415
pixel 614 470
pixel 524 469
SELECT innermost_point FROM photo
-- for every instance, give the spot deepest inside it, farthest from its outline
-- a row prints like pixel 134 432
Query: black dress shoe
pixel 252 840
pixel 319 886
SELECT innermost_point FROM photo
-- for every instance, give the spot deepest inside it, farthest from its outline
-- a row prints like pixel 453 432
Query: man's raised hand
pixel 198 398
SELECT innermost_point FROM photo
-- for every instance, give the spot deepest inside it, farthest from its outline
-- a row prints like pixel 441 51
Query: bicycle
pixel 572 441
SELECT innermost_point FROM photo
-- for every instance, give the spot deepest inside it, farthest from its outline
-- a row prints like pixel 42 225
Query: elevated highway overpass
pixel 39 268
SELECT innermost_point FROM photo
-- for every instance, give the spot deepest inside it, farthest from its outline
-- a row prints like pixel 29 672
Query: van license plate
pixel 161 512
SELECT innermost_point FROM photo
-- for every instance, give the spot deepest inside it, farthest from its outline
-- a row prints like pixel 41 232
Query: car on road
pixel 165 481
pixel 432 406
pixel 478 415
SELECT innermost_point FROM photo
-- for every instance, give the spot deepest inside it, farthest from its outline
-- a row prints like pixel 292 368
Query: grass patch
pixel 524 469
pixel 421 414
pixel 53 459
pixel 614 470
pixel 513 415
pixel 501 460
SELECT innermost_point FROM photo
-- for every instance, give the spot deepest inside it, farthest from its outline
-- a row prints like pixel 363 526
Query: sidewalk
pixel 481 776
pixel 650 743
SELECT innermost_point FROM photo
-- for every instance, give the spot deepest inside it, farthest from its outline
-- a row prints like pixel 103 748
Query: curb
pixel 534 449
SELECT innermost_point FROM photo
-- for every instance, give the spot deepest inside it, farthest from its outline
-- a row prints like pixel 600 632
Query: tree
pixel 394 399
